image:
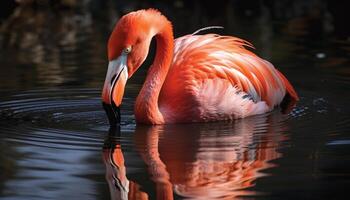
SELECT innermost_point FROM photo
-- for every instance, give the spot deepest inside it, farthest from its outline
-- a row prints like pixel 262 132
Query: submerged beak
pixel 113 89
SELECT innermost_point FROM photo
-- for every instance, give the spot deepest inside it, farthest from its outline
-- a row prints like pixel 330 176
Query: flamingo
pixel 194 78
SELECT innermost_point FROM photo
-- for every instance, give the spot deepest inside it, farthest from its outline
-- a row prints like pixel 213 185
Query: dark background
pixel 46 43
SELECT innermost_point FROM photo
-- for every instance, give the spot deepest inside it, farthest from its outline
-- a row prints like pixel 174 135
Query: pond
pixel 56 142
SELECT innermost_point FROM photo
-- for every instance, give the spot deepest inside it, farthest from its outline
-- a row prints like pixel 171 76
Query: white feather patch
pixel 220 100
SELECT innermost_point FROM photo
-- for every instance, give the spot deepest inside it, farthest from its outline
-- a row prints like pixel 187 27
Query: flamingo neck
pixel 146 106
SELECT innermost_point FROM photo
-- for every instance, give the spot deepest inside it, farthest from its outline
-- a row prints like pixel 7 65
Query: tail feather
pixel 293 94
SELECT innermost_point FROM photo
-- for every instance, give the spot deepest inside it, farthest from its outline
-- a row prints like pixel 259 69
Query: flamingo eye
pixel 127 50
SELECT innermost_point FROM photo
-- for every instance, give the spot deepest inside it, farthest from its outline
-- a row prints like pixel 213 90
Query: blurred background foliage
pixel 47 43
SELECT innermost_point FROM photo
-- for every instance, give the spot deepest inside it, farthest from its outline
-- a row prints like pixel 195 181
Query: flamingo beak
pixel 113 89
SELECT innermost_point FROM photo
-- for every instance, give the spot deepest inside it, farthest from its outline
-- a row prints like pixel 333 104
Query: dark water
pixel 56 142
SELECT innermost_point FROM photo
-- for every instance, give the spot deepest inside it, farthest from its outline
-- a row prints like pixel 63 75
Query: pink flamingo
pixel 194 78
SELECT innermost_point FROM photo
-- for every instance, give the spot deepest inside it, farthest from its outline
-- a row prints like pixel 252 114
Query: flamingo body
pixel 201 78
pixel 214 78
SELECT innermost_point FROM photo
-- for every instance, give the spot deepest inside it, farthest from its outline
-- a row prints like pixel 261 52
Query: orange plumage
pixel 195 78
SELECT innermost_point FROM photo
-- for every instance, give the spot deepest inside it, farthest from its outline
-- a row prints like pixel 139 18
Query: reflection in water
pixel 198 161
pixel 115 169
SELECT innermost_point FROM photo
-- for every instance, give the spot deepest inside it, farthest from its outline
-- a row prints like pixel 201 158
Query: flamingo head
pixel 128 48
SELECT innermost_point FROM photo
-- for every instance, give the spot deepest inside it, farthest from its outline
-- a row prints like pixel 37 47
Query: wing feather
pixel 213 56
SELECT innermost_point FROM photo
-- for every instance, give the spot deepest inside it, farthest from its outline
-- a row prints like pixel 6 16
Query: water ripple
pixel 211 160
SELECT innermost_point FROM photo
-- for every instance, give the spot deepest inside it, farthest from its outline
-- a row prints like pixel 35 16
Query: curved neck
pixel 146 106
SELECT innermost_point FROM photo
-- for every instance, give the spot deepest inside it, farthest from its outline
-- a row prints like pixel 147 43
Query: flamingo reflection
pixel 115 169
pixel 196 161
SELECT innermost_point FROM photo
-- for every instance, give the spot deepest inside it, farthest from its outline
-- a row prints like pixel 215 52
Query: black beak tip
pixel 113 113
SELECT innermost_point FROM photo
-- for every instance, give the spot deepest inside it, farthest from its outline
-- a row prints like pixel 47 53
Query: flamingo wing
pixel 213 74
